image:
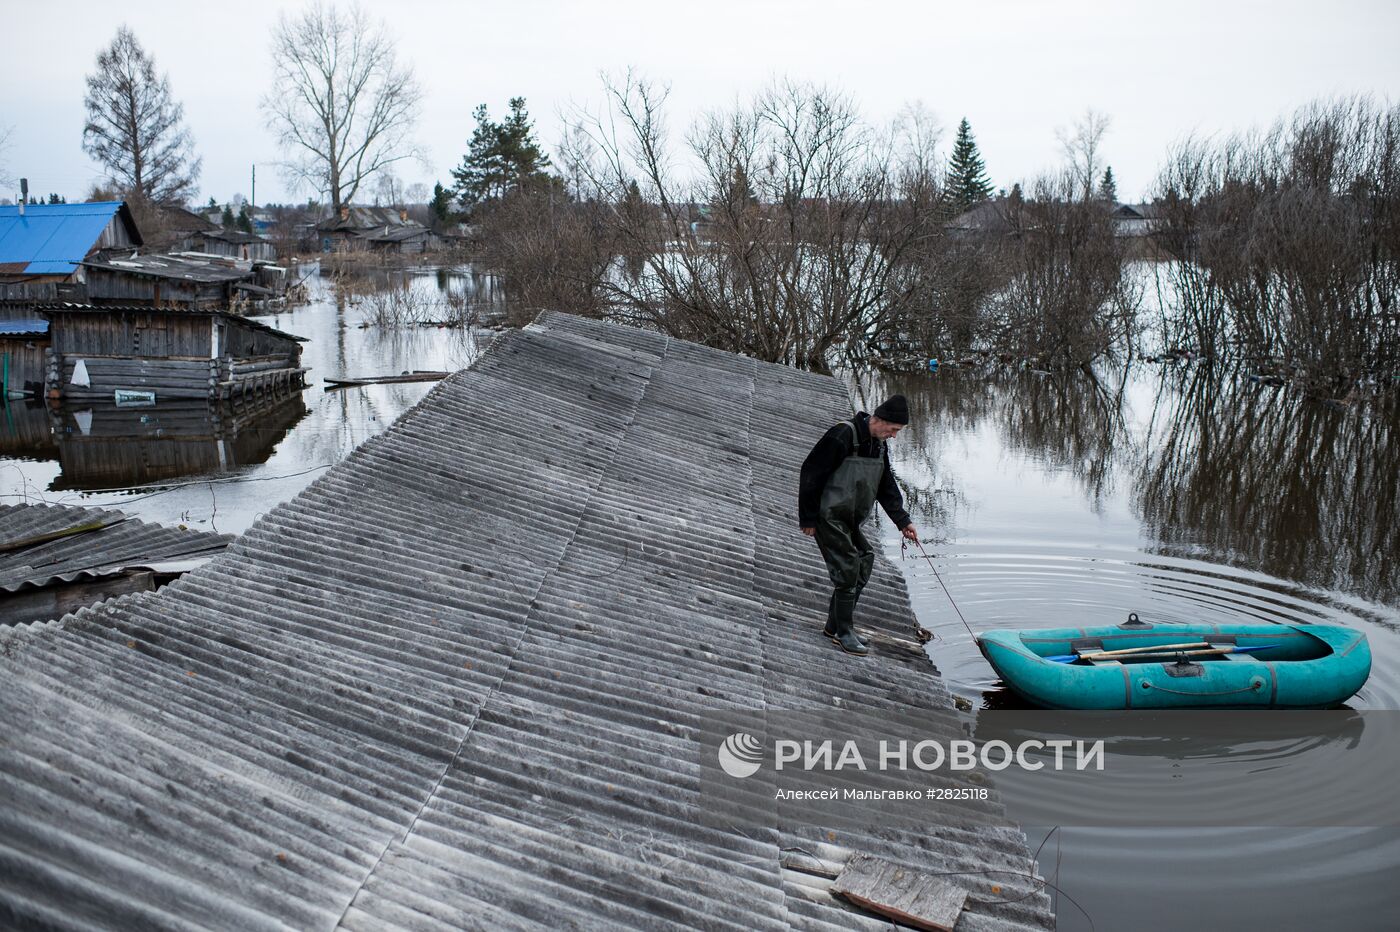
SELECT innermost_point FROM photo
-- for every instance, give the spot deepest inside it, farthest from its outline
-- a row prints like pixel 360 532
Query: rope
pixel 903 546
pixel 1253 687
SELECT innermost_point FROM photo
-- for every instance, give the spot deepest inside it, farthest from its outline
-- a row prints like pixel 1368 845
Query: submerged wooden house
pixel 95 352
pixel 98 444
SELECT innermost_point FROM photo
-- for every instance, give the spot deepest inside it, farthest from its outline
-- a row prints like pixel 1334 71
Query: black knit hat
pixel 895 410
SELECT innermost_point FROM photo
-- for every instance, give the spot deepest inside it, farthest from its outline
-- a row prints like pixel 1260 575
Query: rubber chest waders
pixel 846 502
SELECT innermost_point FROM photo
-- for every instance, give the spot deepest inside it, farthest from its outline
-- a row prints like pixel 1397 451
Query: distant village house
pixel 383 229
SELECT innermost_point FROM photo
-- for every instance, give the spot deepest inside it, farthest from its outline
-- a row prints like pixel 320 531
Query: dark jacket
pixel 834 447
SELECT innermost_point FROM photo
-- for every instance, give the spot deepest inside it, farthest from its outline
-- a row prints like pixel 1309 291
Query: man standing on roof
pixel 842 478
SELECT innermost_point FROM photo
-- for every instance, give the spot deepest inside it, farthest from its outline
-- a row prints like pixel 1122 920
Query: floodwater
pixel 180 463
pixel 1045 501
pixel 1052 501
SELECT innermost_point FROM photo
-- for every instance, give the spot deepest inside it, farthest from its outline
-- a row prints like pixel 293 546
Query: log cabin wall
pixel 176 354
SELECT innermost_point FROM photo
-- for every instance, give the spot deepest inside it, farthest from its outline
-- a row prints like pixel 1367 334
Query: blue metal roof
pixel 23 328
pixel 51 239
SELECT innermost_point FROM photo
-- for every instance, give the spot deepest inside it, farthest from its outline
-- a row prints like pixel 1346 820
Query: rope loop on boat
pixel 1255 685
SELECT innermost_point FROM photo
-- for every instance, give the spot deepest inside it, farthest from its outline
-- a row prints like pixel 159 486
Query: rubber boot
pixel 844 607
pixel 830 629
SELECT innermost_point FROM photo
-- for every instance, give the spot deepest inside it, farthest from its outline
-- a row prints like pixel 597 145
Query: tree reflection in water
pixel 1265 480
pixel 1214 467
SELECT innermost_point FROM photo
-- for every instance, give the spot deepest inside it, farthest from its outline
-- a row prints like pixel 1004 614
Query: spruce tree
pixel 1108 187
pixel 967 184
pixel 226 218
pixel 519 149
pixel 501 157
pixel 441 204
pixel 634 207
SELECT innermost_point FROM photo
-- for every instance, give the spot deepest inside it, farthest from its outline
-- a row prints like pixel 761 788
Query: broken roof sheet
pixel 457 681
pixel 178 267
pixel 43 545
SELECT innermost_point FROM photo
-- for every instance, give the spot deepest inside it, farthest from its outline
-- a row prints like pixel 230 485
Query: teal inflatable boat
pixel 1137 665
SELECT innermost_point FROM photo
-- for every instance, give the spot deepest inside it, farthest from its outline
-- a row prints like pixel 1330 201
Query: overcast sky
pixel 1016 68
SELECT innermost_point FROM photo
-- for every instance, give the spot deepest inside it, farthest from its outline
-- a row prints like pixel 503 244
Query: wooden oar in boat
pixel 1126 651
pixel 1068 658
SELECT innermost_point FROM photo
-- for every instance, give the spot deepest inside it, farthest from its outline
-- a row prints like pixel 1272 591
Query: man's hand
pixel 810 531
pixel 910 534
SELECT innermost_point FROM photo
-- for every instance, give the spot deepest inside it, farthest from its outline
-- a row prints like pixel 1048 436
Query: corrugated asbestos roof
pixel 117 541
pixel 441 686
pixel 51 239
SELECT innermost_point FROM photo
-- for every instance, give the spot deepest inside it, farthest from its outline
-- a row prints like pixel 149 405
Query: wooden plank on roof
pixel 914 898
pixel 81 527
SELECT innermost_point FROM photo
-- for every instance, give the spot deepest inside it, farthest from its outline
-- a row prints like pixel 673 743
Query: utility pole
pixel 253 201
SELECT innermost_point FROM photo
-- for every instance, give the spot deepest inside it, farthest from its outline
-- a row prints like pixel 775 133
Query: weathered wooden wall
pixel 104 285
pixel 24 430
pixel 131 333
pixel 21 360
pixel 114 235
pixel 33 290
pixel 239 340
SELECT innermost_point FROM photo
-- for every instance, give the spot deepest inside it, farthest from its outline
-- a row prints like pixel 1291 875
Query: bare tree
pixel 134 127
pixel 785 234
pixel 919 133
pixel 1083 148
pixel 1286 247
pixel 388 190
pixel 341 105
pixel 1067 301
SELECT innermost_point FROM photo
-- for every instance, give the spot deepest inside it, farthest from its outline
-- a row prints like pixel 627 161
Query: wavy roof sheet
pixel 110 541
pixel 441 687
pixel 51 239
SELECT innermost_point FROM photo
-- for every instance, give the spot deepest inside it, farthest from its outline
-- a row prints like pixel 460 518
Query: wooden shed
pixel 234 243
pixel 97 351
pixel 193 281
pixel 403 239
pixel 23 342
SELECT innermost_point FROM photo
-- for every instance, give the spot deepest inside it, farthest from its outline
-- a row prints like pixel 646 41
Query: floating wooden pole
pixel 422 376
